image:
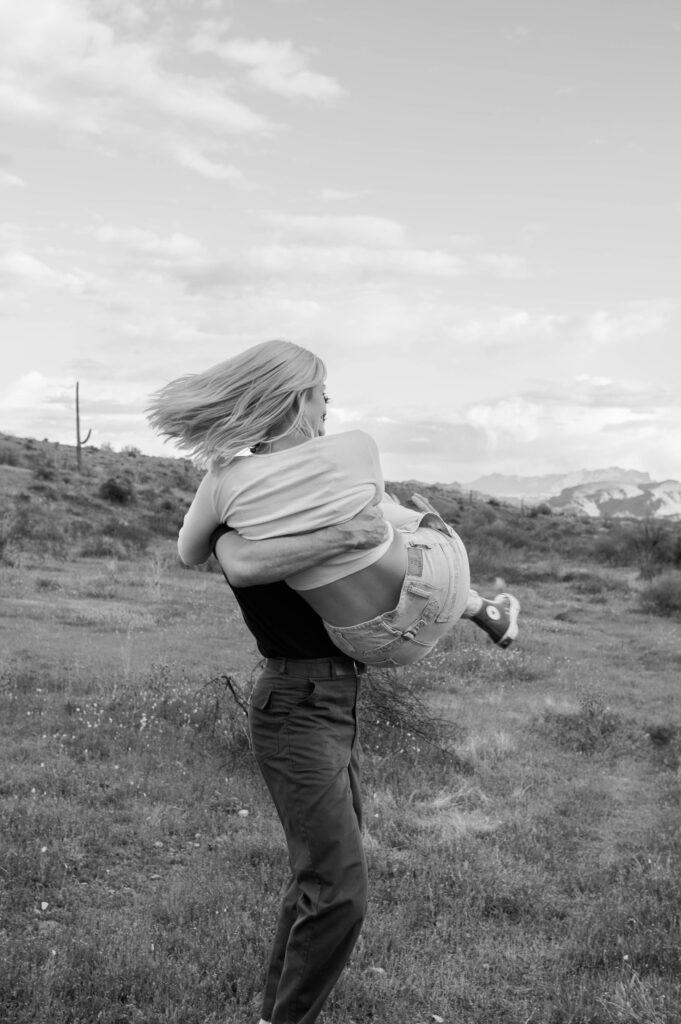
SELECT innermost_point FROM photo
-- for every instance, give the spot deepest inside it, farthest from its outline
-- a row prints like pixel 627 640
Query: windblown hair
pixel 253 397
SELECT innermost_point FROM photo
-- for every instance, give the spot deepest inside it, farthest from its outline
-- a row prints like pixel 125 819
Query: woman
pixel 257 420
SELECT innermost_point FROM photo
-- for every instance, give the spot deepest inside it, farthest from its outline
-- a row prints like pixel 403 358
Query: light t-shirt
pixel 321 482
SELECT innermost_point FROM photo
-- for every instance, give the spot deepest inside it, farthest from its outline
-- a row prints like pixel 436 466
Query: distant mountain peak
pixel 621 499
pixel 500 485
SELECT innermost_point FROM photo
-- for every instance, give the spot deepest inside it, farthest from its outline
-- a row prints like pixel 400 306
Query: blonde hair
pixel 256 396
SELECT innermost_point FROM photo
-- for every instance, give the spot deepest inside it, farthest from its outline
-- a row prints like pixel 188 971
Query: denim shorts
pixel 433 597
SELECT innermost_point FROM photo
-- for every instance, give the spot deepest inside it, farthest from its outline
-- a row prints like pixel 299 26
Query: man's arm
pixel 247 563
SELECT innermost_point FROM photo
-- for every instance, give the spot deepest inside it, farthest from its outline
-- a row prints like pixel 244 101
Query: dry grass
pixel 522 807
pixel 524 859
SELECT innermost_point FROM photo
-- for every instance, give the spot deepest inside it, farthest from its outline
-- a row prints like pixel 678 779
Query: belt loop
pixel 415 561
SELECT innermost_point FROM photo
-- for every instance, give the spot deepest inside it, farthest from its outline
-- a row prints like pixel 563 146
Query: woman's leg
pixel 498 618
pixel 433 596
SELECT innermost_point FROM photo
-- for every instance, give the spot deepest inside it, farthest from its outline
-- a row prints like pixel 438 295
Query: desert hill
pixel 498 485
pixel 621 500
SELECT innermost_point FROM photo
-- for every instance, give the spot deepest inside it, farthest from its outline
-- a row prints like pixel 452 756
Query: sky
pixel 470 210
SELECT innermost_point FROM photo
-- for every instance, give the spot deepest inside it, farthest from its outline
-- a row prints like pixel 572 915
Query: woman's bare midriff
pixel 364 594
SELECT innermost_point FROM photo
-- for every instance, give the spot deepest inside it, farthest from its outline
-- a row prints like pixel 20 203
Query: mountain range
pixel 660 500
pixel 623 493
pixel 497 485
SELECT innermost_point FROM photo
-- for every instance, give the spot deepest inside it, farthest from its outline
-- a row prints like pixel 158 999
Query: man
pixel 304 731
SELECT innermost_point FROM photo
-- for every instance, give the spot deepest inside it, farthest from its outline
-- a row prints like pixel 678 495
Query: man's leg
pixel 303 724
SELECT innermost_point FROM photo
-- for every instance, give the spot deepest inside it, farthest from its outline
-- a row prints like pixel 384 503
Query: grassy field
pixel 523 822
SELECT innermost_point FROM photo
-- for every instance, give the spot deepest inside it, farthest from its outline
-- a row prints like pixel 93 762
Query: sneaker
pixel 499 618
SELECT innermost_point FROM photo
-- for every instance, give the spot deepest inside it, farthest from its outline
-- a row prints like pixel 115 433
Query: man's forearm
pixel 247 563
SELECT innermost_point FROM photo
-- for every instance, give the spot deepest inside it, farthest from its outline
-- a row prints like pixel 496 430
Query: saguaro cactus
pixel 80 441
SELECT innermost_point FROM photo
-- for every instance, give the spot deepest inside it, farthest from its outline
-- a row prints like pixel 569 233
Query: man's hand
pixel 367 529
pixel 247 563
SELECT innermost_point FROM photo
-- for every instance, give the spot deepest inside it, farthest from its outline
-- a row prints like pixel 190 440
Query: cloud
pixel 358 229
pixel 322 251
pixel 353 262
pixel 508 324
pixel 42 406
pixel 57 59
pixel 276 67
pixel 585 423
pixel 34 390
pixel 607 328
pixel 513 418
pixel 140 240
pixel 27 268
pixel 420 437
pixel 504 264
pixel 335 195
pixel 313 265
pixel 19 100
pixel 194 159
pixel 11 180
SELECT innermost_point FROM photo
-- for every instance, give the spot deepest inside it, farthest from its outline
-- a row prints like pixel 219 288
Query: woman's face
pixel 315 409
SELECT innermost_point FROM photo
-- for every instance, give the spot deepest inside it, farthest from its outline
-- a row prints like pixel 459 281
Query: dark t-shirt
pixel 283 625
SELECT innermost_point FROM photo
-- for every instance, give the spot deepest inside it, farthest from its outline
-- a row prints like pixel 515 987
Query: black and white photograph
pixel 340 512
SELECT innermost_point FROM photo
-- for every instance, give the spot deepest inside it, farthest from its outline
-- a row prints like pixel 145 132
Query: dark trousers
pixel 304 731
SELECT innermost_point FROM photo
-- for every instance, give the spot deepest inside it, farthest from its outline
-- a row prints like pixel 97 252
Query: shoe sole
pixel 511 633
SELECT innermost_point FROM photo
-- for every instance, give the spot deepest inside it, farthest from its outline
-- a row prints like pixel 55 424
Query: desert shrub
pixel 10 456
pixel 613 547
pixel 586 730
pixel 134 536
pixel 35 526
pixel 395 718
pixel 117 490
pixel 584 582
pixel 5 538
pixel 44 471
pixel 45 490
pixel 47 583
pixel 649 544
pixel 164 524
pixel 103 547
pixel 663 596
pixel 542 509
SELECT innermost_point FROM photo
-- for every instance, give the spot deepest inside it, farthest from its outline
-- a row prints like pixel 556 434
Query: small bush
pixel 650 544
pixel 103 547
pixel 44 471
pixel 164 524
pixel 118 491
pixel 540 510
pixel 47 583
pixel 9 456
pixel 134 536
pixel 586 730
pixel 663 596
